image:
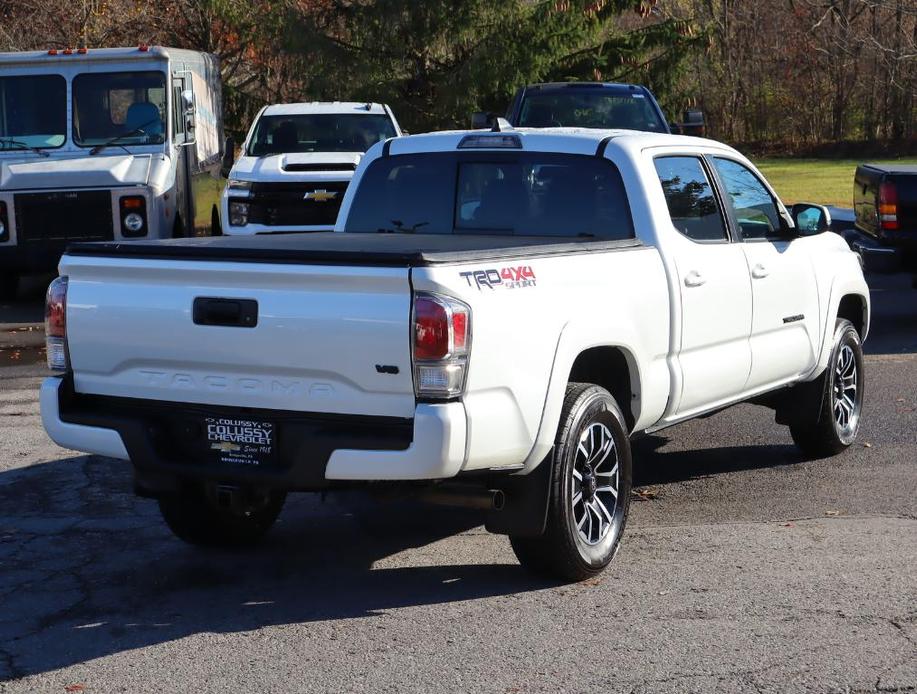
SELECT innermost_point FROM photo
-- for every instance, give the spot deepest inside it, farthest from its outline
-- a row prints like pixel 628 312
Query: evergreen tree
pixel 436 61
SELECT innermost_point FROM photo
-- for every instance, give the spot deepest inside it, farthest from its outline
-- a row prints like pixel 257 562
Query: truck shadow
pixel 88 570
pixel 653 466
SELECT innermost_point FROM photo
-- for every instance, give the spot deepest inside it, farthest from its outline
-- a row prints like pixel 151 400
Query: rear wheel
pixel 831 417
pixel 590 489
pixel 178 228
pixel 212 516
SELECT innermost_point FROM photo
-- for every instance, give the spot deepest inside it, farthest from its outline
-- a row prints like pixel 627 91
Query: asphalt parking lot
pixel 743 569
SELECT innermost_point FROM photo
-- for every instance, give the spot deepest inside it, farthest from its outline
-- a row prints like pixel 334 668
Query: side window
pixel 755 210
pixel 690 198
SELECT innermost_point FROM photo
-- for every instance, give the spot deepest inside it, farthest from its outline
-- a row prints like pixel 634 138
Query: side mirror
pixel 481 120
pixel 187 100
pixel 229 157
pixel 810 219
pixel 693 123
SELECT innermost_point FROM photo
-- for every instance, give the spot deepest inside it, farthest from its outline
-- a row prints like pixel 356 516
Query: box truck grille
pixel 296 204
pixel 60 216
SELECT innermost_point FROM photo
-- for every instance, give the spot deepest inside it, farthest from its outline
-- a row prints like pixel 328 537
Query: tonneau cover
pixel 337 248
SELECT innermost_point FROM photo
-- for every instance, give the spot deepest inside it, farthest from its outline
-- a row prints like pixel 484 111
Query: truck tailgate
pixel 327 339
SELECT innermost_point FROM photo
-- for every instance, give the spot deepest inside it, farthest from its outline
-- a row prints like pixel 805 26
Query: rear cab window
pixel 493 193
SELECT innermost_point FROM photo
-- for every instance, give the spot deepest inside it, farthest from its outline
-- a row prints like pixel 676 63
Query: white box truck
pixel 104 144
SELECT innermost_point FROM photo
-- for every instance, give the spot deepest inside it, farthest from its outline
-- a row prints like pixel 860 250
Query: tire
pixel 831 412
pixel 9 284
pixel 195 516
pixel 216 229
pixel 581 538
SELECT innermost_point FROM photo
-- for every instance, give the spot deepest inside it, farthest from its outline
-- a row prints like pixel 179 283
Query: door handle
pixel 759 271
pixel 694 279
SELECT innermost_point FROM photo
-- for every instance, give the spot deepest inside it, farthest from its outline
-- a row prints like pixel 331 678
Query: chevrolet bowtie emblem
pixel 225 447
pixel 320 195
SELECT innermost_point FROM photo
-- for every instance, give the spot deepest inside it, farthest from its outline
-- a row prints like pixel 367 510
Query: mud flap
pixel 525 509
pixel 795 405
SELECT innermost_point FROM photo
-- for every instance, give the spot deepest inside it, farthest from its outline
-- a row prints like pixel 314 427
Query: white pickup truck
pixel 495 316
pixel 296 163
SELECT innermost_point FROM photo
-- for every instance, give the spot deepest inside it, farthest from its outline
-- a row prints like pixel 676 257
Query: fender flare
pixel 574 339
pixel 841 286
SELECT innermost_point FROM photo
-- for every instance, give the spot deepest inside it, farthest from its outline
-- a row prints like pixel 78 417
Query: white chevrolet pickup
pixel 496 314
pixel 296 164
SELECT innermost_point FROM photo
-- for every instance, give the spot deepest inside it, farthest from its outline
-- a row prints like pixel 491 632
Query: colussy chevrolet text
pixel 496 314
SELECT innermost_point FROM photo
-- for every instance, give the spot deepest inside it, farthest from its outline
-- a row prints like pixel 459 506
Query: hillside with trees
pixel 796 72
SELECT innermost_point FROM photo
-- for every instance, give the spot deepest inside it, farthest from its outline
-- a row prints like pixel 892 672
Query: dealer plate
pixel 240 441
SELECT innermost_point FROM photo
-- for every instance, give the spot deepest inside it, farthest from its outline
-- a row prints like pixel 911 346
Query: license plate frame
pixel 240 441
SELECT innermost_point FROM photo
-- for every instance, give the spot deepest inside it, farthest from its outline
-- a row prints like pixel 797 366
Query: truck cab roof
pixel 622 87
pixel 564 140
pixel 328 107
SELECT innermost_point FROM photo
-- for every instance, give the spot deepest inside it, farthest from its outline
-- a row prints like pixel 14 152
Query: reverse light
pixel 888 206
pixel 238 214
pixel 56 325
pixel 441 345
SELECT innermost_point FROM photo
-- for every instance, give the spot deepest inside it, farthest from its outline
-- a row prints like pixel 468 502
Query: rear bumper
pixel 314 451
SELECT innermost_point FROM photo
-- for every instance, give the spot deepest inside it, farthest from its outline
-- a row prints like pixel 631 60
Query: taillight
pixel 888 206
pixel 56 325
pixel 441 344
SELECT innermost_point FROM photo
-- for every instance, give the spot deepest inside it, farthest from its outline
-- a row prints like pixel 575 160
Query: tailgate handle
pixel 233 313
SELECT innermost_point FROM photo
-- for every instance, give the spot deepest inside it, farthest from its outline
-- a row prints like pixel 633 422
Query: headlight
pixel 238 214
pixel 238 186
pixel 133 222
pixel 133 216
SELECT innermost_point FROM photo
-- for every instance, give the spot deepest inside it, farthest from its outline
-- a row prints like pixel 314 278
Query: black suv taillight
pixel 4 223
pixel 888 206
pixel 133 216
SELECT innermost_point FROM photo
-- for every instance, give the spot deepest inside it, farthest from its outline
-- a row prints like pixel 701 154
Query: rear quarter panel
pixel 528 329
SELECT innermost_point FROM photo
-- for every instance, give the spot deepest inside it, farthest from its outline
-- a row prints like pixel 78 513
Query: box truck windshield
pixel 130 106
pixel 33 111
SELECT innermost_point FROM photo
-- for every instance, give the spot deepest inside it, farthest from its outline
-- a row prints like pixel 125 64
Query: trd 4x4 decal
pixel 516 277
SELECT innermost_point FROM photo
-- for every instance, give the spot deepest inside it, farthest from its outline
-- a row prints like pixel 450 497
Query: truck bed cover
pixel 894 168
pixel 336 248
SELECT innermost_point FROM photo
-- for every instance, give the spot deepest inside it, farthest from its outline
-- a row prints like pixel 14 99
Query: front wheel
pixel 206 515
pixel 831 418
pixel 590 489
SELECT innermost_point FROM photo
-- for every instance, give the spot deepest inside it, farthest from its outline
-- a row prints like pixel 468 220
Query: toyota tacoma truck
pixel 296 163
pixel 494 317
